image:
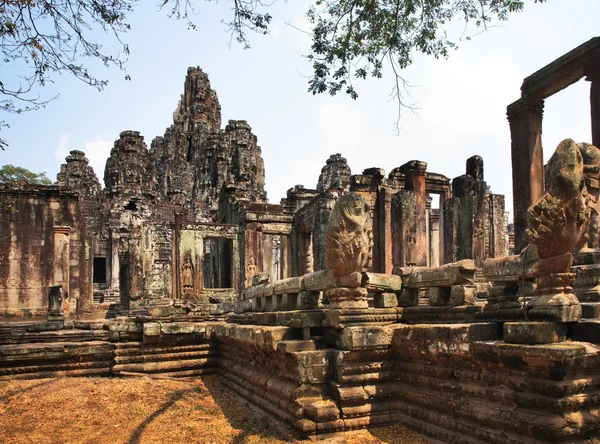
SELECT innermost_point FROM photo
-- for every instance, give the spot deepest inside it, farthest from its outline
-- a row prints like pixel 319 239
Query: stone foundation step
pixel 542 422
pixel 101 366
pixel 176 374
pixel 59 373
pixel 18 354
pixel 21 336
pixel 155 357
pixel 33 360
pixel 138 349
pixel 161 367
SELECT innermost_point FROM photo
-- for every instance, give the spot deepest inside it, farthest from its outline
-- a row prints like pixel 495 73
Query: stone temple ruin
pixel 354 304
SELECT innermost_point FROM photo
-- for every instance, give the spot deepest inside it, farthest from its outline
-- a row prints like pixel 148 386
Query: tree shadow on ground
pixel 7 395
pixel 173 399
pixel 241 416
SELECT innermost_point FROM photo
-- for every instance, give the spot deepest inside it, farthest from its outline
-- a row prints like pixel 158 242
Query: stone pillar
pixel 525 121
pixel 61 262
pixel 499 227
pixel 114 265
pixel 442 229
pixel 448 233
pixel 434 236
pixel 284 257
pixel 309 253
pixel 595 107
pixel 428 228
pixel 415 182
pixel 384 203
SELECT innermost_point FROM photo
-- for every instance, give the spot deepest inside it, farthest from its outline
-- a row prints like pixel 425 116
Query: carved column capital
pixel 61 229
pixel 522 108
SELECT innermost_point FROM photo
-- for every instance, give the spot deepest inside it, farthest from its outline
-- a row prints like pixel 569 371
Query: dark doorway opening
pixel 217 266
pixel 124 286
pixel 99 274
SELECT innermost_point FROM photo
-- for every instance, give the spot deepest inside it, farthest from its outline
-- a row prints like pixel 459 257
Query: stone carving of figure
pixel 349 236
pixel 591 171
pixel 187 275
pixel 250 271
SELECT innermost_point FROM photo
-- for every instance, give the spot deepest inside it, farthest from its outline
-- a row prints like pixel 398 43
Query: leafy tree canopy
pixel 11 173
pixel 351 39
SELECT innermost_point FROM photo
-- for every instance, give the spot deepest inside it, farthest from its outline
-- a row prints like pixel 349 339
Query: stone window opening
pixel 131 206
pixel 189 149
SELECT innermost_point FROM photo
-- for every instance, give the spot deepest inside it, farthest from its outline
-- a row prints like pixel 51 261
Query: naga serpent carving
pixel 349 236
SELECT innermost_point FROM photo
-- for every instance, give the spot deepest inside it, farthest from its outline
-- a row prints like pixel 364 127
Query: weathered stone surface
pixel 587 282
pixel 461 272
pixel 408 297
pixel 429 314
pixel 323 410
pixel 349 236
pixel 127 327
pixel 159 312
pixel 558 223
pixel 351 280
pixel 463 295
pixel 335 174
pixel 534 332
pixel 289 285
pixel 343 297
pixel 151 329
pixel 377 282
pixel 319 280
pixel 385 300
pixel 439 296
pixel 527 265
pixel 308 299
pixel 364 337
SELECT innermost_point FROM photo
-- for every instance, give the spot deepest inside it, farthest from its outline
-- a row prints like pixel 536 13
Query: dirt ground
pixel 142 410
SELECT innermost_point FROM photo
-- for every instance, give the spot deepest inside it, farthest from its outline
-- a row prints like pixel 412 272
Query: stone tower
pixel 335 174
pixel 195 158
pixel 130 169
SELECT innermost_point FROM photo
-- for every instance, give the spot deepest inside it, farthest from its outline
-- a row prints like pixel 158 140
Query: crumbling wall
pixel 43 242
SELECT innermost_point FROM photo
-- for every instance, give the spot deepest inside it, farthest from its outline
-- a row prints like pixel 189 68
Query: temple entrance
pixel 217 263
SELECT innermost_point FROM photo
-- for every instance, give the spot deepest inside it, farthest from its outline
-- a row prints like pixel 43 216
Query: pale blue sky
pixel 462 100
